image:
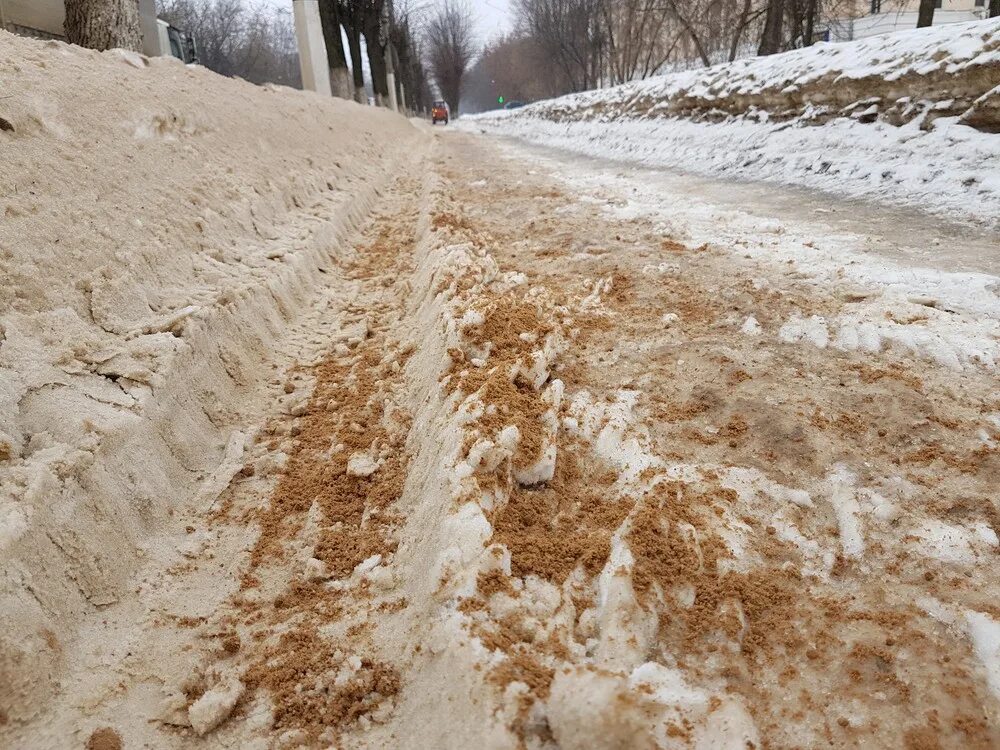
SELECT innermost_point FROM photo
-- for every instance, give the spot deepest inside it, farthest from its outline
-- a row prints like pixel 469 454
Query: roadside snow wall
pixel 159 227
pixel 911 117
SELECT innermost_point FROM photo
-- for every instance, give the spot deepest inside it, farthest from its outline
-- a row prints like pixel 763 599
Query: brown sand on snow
pixel 154 245
pixel 347 413
pixel 769 632
pixel 385 560
pixel 329 653
pixel 783 635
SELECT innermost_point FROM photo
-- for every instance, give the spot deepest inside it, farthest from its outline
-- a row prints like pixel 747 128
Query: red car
pixel 440 111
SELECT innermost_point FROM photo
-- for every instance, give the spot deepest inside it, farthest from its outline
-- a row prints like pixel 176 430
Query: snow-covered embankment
pixel 154 244
pixel 911 118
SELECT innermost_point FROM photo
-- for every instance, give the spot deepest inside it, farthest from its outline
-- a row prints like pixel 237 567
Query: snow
pixel 891 57
pixel 942 315
pixel 985 634
pixel 812 330
pixel 933 335
pixel 763 120
pixel 951 168
pixel 953 544
pixel 143 292
pixel 608 425
pixel 361 465
pixel 544 467
pixel 647 703
pixel 13 524
pixel 214 706
pixel 750 326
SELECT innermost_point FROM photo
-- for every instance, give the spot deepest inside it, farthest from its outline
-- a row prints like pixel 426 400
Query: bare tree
pixel 801 17
pixel 770 41
pixel 409 72
pixel 450 48
pixel 418 88
pixel 744 18
pixel 509 67
pixel 572 33
pixel 594 42
pixel 351 17
pixel 375 29
pixel 253 42
pixel 637 37
pixel 388 28
pixel 103 24
pixel 340 76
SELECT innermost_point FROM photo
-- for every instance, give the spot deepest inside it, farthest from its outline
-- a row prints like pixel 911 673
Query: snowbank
pixel 161 225
pixel 910 117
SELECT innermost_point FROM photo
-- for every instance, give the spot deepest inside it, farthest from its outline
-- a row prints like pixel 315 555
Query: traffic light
pixel 499 100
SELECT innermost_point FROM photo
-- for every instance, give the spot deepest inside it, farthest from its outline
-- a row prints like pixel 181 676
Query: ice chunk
pixel 949 543
pixel 361 465
pixel 643 710
pixel 13 523
pixel 812 330
pixel 212 708
pixel 846 507
pixel 984 632
pixel 750 327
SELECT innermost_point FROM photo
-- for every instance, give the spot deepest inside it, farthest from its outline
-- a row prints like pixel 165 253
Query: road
pixel 573 454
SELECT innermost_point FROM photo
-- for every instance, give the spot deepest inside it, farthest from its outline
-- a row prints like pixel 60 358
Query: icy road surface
pixel 570 454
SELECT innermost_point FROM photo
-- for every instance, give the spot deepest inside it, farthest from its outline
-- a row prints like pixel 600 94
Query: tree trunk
pixel 397 68
pixel 740 28
pixel 350 18
pixel 452 94
pixel 925 14
pixel 994 8
pixel 376 58
pixel 390 79
pixel 354 42
pixel 340 79
pixel 810 23
pixel 103 24
pixel 770 41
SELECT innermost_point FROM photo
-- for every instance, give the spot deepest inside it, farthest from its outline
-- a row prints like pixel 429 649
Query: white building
pixel 873 17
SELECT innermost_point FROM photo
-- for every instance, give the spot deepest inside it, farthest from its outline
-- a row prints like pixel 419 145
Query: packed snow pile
pixel 911 117
pixel 891 77
pixel 159 227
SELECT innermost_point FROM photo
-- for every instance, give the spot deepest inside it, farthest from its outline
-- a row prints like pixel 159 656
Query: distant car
pixel 440 111
pixel 513 105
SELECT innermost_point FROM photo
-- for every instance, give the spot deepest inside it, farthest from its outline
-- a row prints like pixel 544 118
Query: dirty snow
pixel 573 458
pixel 938 164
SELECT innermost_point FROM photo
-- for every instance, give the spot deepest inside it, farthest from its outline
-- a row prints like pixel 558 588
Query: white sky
pixel 493 17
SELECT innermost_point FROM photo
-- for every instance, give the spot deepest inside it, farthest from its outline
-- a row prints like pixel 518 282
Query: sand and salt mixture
pixel 387 441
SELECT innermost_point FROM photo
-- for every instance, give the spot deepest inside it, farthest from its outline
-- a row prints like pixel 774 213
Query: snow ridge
pixel 908 118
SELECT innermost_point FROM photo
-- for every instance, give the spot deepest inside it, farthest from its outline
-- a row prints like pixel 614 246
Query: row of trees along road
pixel 557 46
pixel 562 46
pixel 251 40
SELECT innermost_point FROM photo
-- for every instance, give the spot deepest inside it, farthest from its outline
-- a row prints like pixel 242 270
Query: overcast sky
pixel 493 17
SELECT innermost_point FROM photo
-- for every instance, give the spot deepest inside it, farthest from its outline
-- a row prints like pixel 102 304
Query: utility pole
pixel 312 48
